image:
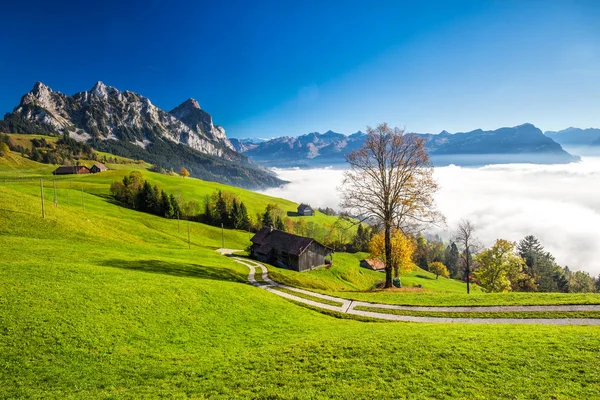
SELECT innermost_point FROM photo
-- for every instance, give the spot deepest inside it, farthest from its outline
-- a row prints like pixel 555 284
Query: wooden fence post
pixel 42 194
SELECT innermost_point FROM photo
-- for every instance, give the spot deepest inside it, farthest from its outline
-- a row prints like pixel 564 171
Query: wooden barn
pixel 306 210
pixel 98 167
pixel 287 250
pixel 71 170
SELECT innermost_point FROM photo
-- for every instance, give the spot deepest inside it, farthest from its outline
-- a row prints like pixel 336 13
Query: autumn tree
pixel 438 269
pixel 390 181
pixel 402 250
pixel 184 172
pixel 500 268
pixel 465 237
pixel 300 226
pixel 289 225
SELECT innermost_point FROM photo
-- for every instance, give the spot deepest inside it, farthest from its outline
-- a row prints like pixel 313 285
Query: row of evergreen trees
pixel 138 193
pixel 226 210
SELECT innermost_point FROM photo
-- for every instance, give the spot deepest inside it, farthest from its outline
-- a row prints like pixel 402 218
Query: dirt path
pixel 348 306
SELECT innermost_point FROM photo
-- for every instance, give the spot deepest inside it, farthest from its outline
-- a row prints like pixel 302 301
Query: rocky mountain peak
pixel 40 96
pixel 102 91
pixel 190 103
pixel 190 113
pixel 39 87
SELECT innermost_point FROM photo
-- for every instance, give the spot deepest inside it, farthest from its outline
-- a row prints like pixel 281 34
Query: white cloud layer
pixel 559 204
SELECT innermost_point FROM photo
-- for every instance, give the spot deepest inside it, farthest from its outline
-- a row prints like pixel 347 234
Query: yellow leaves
pixel 184 172
pixel 438 269
pixel 500 268
pixel 402 250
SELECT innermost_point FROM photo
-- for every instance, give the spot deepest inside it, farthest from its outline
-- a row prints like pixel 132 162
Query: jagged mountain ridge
pixel 104 112
pixel 128 124
pixel 523 143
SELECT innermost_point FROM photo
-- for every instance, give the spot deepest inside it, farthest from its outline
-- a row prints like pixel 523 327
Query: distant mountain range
pixel 576 137
pixel 128 124
pixel 521 144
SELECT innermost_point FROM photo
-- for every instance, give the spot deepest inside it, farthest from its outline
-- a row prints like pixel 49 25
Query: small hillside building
pixel 98 167
pixel 287 250
pixel 373 263
pixel 71 170
pixel 306 210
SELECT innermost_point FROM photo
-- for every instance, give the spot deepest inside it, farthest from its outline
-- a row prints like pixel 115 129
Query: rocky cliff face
pixel 190 113
pixel 243 145
pixel 105 113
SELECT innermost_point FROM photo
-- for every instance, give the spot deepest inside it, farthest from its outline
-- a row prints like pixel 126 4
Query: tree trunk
pixel 388 255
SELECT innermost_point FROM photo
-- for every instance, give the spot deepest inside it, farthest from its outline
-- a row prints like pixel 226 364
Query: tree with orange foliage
pixel 390 181
pixel 184 172
pixel 401 254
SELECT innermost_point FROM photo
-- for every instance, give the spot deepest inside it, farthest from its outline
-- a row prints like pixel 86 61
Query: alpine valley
pixel 520 144
pixel 129 125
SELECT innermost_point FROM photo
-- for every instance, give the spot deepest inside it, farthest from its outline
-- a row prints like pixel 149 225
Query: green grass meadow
pixel 111 303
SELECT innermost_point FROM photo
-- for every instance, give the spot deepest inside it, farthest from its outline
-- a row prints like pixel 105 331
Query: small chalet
pixel 373 263
pixel 98 167
pixel 287 250
pixel 71 170
pixel 306 210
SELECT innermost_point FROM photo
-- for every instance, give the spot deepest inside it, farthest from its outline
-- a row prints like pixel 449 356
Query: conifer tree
pixel 244 218
pixel 222 213
pixel 267 218
pixel 166 206
pixel 451 257
pixel 156 199
pixel 279 224
pixel 175 205
pixel 235 214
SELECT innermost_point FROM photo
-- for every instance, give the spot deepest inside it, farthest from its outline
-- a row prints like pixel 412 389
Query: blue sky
pixel 271 68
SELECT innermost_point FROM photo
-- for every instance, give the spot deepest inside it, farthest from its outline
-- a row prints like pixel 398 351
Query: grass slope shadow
pixel 185 270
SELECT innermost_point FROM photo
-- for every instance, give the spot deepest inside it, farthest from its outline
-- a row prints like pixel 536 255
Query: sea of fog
pixel 559 204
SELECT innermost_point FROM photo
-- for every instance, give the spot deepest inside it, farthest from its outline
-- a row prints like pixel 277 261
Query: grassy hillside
pixel 17 167
pixel 111 303
pixel 346 275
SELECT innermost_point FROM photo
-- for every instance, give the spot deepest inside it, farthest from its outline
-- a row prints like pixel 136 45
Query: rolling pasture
pixel 108 302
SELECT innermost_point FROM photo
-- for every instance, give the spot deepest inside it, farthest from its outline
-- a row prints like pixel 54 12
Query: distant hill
pixel 576 136
pixel 129 125
pixel 524 144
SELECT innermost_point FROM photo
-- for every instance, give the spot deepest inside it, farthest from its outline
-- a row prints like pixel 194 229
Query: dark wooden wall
pixel 313 257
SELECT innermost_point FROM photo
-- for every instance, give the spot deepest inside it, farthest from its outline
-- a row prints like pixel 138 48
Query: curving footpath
pixel 348 306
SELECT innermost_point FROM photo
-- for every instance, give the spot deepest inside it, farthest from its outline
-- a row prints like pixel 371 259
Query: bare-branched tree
pixel 465 237
pixel 390 181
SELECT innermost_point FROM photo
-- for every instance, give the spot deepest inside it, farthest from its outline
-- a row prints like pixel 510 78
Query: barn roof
pixel 288 242
pixel 69 169
pixel 100 166
pixel 375 263
pixel 303 207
